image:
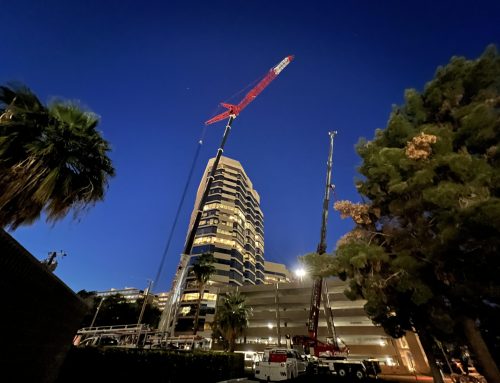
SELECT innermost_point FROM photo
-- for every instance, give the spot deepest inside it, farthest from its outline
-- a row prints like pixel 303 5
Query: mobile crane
pixel 329 357
pixel 310 342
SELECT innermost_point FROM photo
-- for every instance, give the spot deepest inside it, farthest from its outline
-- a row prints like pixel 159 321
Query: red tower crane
pixel 230 114
pixel 234 110
pixel 168 320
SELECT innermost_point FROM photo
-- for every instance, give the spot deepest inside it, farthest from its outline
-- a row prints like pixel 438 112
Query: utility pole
pixel 143 308
pixel 97 311
pixel 278 318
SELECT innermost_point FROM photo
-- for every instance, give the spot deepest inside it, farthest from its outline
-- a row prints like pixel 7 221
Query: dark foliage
pixel 132 365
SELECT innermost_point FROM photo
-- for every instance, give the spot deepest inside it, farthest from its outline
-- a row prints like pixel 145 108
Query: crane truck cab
pixel 346 368
pixel 327 358
pixel 280 364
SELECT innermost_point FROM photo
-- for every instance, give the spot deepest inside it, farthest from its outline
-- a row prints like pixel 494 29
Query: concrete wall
pixel 39 316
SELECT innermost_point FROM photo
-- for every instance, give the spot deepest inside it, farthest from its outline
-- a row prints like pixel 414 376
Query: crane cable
pixel 181 203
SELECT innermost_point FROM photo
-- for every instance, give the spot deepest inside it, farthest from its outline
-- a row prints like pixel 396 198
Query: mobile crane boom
pixel 331 358
pixel 312 325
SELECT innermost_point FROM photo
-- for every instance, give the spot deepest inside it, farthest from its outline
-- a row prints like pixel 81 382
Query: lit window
pixel 403 342
pixel 195 296
pixel 190 297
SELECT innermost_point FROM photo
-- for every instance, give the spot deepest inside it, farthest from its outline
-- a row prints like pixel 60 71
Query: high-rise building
pixel 232 229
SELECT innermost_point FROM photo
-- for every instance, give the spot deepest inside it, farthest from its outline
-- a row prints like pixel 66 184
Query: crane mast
pixel 331 358
pixel 312 325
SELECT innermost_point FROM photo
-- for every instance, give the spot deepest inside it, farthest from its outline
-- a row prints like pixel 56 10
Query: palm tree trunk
pixel 197 315
pixel 232 342
pixel 427 344
pixel 483 356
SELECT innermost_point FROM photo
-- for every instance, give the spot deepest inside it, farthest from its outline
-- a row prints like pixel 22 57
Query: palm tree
pixel 231 319
pixel 52 158
pixel 202 270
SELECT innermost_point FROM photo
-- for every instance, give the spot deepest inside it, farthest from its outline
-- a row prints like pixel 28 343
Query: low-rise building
pixel 281 310
pixel 132 294
pixel 276 272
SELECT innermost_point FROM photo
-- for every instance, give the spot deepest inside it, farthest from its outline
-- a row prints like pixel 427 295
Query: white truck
pixel 280 364
pixel 346 368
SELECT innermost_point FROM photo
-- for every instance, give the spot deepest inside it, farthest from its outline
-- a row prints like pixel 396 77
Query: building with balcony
pixel 232 229
pixel 132 294
pixel 276 272
pixel 282 309
pixel 161 299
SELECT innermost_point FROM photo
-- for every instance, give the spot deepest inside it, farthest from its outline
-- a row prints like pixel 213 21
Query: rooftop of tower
pixel 235 163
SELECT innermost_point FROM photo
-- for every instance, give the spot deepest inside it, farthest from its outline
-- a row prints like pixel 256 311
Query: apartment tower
pixel 232 229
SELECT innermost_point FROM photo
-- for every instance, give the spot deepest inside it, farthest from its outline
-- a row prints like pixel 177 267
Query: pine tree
pixel 425 249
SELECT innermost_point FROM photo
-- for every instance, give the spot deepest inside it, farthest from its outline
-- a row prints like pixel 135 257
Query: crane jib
pixel 278 68
pixel 252 94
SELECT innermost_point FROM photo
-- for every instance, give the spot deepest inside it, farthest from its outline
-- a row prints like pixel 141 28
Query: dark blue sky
pixel 156 70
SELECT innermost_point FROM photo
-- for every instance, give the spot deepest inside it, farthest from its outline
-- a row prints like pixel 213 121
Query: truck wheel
pixel 360 375
pixel 342 372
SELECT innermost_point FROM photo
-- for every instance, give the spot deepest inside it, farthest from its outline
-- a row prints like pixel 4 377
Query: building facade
pixel 276 272
pixel 132 294
pixel 232 229
pixel 282 309
pixel 161 300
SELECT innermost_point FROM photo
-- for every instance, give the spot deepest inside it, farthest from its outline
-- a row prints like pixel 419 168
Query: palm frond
pixel 68 167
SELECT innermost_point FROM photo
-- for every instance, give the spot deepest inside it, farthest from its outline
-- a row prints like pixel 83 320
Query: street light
pixel 51 262
pixel 300 273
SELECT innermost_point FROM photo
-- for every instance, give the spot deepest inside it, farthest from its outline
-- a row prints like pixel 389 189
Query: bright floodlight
pixel 300 273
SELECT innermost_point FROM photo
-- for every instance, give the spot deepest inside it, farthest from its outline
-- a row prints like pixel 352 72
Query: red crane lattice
pixel 234 110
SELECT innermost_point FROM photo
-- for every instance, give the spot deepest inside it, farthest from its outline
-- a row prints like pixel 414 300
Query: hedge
pixel 123 365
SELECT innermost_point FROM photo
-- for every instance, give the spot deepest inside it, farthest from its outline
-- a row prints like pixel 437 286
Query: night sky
pixel 156 70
